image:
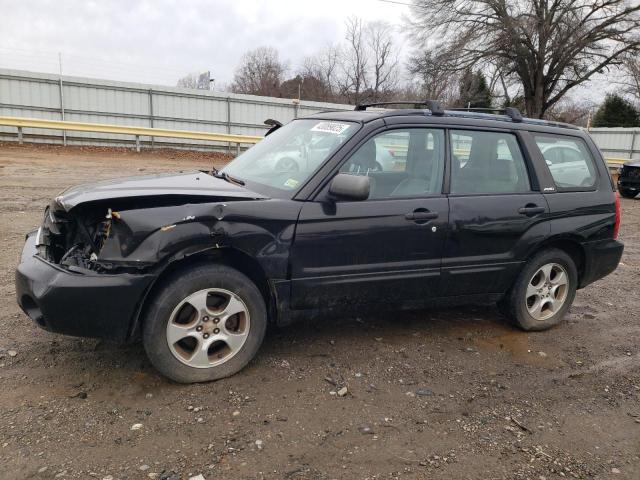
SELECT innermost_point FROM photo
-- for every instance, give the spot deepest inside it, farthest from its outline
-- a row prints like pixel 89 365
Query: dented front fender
pixel 262 229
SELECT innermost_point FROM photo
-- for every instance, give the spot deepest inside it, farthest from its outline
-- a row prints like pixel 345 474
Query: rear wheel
pixel 204 324
pixel 543 292
pixel 626 193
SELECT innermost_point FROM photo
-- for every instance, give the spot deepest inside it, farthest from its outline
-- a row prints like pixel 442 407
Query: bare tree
pixel 324 66
pixel 311 82
pixel 260 73
pixel 327 61
pixel 569 110
pixel 435 77
pixel 188 81
pixel 384 60
pixel 551 46
pixel 631 79
pixel 200 81
pixel 510 90
pixel 354 62
pixel 310 67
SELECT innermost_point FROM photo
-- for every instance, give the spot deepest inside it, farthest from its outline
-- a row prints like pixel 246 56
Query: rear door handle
pixel 421 215
pixel 530 210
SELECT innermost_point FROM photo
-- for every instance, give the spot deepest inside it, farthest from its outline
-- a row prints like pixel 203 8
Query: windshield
pixel 284 160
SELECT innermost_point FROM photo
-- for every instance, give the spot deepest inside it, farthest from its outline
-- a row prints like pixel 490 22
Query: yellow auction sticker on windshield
pixel 331 127
pixel 291 183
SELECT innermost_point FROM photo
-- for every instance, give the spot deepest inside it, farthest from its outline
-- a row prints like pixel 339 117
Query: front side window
pixel 569 160
pixel 283 161
pixel 401 163
pixel 486 162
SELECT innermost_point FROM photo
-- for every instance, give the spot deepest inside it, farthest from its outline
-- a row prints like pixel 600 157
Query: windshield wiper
pixel 227 177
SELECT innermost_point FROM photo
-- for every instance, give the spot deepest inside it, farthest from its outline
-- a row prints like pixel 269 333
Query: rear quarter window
pixel 569 160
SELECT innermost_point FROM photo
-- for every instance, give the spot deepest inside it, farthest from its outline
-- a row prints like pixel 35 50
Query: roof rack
pixel 432 105
pixel 511 112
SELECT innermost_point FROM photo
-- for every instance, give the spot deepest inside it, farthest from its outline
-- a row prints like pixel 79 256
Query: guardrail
pixel 137 132
pixel 616 162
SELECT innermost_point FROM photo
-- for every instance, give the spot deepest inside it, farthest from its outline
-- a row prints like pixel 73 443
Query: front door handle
pixel 421 215
pixel 530 209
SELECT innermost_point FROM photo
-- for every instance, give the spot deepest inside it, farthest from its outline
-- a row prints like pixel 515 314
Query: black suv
pixel 334 213
pixel 629 179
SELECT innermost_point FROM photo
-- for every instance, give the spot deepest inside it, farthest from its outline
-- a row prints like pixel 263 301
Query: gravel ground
pixel 446 394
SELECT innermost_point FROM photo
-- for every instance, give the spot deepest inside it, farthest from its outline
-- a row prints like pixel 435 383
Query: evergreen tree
pixel 615 111
pixel 473 90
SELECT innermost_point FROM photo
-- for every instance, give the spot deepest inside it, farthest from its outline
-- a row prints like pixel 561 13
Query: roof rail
pixel 432 105
pixel 512 112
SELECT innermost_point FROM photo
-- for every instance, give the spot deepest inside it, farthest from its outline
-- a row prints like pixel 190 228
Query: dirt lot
pixel 448 394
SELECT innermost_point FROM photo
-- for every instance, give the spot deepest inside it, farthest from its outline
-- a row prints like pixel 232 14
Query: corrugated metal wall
pixel 617 142
pixel 28 94
pixel 36 95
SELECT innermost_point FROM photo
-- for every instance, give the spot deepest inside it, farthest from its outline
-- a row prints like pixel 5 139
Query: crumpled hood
pixel 188 184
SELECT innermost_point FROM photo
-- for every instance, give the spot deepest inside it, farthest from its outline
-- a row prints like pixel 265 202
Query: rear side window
pixel 568 159
pixel 487 162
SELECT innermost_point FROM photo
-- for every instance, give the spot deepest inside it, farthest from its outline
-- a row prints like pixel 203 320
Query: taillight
pixel 616 226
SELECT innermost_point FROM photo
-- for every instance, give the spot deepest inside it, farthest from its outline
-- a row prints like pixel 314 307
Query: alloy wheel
pixel 547 291
pixel 208 328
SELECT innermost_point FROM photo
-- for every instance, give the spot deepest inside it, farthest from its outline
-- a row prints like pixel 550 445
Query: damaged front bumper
pixel 85 304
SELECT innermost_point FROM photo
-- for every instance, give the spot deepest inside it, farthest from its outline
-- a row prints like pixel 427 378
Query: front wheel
pixel 204 324
pixel 543 292
pixel 626 193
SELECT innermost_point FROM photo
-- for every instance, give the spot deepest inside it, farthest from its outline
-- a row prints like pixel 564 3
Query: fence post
pixel 237 149
pixel 64 132
pixel 633 143
pixel 151 115
pixel 138 143
pixel 20 141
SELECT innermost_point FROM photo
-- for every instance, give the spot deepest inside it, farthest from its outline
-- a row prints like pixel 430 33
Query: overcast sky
pixel 158 41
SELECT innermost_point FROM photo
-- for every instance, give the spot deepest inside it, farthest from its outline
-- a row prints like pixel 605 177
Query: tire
pixel 187 333
pixel 539 300
pixel 627 193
